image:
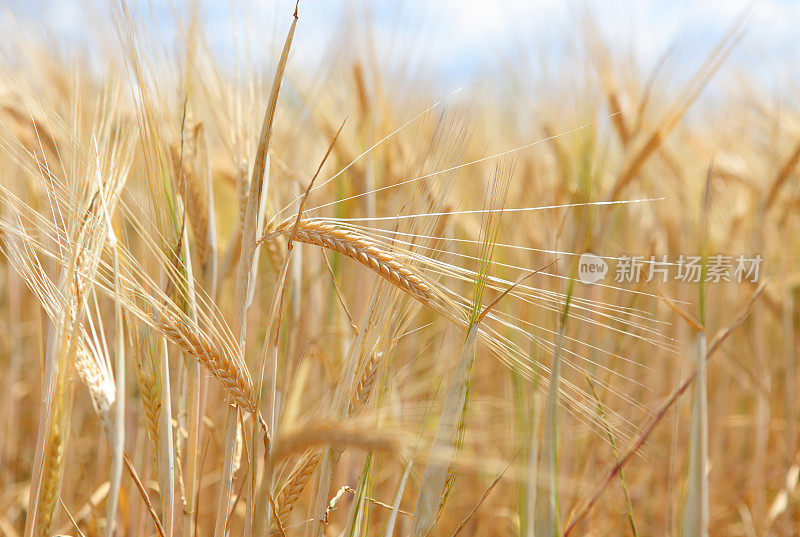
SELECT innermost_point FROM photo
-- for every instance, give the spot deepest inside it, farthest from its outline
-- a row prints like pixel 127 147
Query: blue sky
pixel 458 39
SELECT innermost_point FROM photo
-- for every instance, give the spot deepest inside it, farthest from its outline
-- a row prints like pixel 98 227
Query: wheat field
pixel 257 298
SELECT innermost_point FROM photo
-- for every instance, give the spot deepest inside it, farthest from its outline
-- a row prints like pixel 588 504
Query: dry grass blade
pixel 695 516
pixel 398 497
pixel 696 508
pixel 249 229
pixel 245 277
pixel 548 510
pixel 194 408
pixel 166 451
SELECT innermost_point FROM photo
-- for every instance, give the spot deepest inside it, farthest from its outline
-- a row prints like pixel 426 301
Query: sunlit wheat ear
pixel 90 362
pixel 101 388
pixel 79 243
pixel 372 249
pixel 416 274
pixel 198 344
pixel 367 252
pixel 55 417
pixel 234 378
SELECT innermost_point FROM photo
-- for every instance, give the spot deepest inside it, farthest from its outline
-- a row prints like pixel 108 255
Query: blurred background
pixel 458 40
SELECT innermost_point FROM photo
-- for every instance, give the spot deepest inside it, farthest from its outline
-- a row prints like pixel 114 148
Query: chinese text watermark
pixel 684 268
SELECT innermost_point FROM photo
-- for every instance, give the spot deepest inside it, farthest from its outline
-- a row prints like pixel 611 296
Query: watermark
pixel 684 268
pixel 592 268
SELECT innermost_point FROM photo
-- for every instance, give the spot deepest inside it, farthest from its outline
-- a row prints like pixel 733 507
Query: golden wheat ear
pixel 367 252
pixel 234 378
